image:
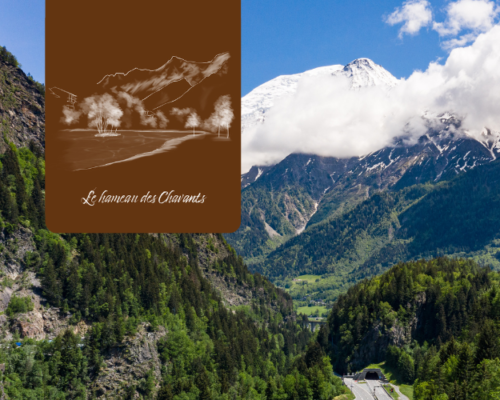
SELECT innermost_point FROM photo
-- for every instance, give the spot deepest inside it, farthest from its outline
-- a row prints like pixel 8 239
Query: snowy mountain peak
pixel 256 103
pixel 364 72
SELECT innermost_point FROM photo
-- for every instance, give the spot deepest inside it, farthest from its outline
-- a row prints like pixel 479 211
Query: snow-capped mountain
pixel 281 201
pixel 256 103
pixel 490 140
pixel 251 176
pixel 362 72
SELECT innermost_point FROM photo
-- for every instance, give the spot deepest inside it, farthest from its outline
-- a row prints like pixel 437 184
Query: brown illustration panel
pixel 143 116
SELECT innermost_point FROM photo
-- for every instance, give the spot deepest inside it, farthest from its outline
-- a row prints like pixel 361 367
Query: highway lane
pixel 379 390
pixel 364 391
pixel 360 390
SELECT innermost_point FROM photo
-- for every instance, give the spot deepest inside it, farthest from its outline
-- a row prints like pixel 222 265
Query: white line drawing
pixel 103 112
pixel 226 112
pixel 222 116
pixel 72 98
pixel 127 112
pixel 193 121
pixel 193 76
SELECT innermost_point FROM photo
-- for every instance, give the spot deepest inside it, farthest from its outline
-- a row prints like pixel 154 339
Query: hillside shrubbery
pixel 7 57
pixel 116 281
pixel 451 309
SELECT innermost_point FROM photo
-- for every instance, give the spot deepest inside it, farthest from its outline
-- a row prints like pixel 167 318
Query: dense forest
pixel 122 283
pixel 436 322
pixel 261 203
pixel 458 218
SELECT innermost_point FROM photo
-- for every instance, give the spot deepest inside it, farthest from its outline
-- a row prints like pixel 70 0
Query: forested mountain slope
pixel 459 217
pixel 436 322
pixel 280 203
pixel 304 190
pixel 133 316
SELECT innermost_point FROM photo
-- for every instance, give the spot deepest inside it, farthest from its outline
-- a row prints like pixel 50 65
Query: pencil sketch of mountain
pixel 167 83
pixel 144 112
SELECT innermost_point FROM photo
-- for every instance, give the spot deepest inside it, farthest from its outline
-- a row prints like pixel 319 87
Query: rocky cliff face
pixel 127 366
pixel 373 347
pixel 22 108
pixel 17 279
pixel 22 121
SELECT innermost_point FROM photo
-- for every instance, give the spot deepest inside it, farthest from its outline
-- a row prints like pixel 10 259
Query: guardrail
pixel 390 395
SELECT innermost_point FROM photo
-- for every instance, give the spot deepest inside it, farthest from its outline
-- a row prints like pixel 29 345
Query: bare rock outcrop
pixel 373 347
pixel 127 365
pixel 22 108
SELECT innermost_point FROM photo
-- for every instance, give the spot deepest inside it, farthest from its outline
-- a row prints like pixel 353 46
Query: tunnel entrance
pixel 371 375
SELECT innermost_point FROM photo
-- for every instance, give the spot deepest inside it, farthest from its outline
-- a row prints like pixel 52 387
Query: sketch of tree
pixel 215 121
pixel 193 121
pixel 227 116
pixel 103 112
pixel 223 114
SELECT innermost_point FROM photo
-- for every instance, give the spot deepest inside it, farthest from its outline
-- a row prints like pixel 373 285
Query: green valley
pixel 458 218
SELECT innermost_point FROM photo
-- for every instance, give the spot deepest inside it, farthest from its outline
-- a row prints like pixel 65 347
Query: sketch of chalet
pixel 72 98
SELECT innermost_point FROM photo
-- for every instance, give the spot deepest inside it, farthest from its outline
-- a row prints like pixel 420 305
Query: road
pixel 379 390
pixel 360 390
pixel 401 395
pixel 364 391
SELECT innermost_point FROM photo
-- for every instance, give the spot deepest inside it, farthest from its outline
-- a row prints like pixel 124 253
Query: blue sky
pixel 290 36
pixel 22 31
pixel 278 37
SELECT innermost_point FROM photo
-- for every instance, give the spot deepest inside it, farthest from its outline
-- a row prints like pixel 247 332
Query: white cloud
pixel 474 16
pixel 465 20
pixel 324 117
pixel 460 41
pixel 477 15
pixel 414 14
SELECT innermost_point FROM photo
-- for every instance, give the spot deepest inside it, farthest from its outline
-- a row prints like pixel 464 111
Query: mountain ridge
pixel 362 72
pixel 282 200
pixel 300 182
pixel 174 70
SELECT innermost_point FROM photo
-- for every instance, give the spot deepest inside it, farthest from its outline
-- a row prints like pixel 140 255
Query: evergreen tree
pixel 488 346
pixel 406 367
pixel 203 384
pixel 72 365
pixel 165 393
pixel 6 203
pixel 314 355
pixel 465 370
pixel 52 289
pixel 11 168
pixel 270 389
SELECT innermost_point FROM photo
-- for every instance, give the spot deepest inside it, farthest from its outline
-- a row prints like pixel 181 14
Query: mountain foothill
pixel 399 246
